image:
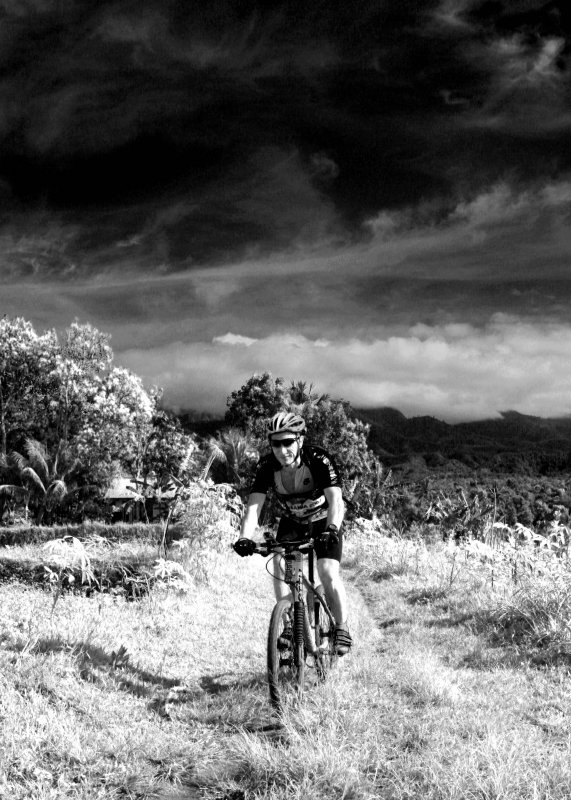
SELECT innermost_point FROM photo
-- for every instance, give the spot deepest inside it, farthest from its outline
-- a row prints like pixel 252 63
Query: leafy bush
pixel 207 519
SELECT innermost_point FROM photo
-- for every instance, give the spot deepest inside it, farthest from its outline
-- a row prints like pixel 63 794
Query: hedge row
pixel 119 532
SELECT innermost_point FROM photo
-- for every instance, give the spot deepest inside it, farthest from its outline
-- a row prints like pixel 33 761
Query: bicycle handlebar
pixel 273 546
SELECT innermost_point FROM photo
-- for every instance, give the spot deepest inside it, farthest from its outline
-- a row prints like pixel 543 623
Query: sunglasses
pixel 277 443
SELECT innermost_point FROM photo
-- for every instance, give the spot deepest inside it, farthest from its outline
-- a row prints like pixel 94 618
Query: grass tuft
pixel 537 617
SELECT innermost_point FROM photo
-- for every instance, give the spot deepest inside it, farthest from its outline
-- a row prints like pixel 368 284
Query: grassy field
pixel 457 687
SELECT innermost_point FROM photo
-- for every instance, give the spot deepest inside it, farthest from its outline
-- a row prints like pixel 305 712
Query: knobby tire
pixel 282 671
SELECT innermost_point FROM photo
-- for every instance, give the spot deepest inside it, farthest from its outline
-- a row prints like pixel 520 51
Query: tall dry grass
pixel 433 702
pixel 448 693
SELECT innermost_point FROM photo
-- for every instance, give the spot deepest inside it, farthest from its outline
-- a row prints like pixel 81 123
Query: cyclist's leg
pixel 329 573
pixel 328 567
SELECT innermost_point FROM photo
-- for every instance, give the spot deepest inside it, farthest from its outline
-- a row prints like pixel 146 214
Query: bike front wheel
pixel 286 661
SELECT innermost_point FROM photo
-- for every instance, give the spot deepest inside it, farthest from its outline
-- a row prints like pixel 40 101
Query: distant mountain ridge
pixel 514 442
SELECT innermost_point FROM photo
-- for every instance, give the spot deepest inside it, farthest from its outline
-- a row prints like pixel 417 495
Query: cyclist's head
pixel 285 433
pixel 285 422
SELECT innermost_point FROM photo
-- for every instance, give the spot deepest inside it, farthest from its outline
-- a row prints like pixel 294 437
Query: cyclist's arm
pixel 336 507
pixel 252 515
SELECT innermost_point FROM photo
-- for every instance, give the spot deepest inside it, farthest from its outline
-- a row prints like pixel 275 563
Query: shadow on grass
pixel 384 624
pixel 225 682
pixel 224 701
pixel 97 665
pixel 231 703
pixel 455 620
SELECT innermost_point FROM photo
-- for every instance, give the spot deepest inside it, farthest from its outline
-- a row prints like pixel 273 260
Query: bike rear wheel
pixel 286 661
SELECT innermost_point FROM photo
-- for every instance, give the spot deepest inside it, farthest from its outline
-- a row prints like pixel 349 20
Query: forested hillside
pixel 513 442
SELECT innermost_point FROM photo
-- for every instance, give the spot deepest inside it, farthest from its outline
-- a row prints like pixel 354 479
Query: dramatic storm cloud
pixel 374 198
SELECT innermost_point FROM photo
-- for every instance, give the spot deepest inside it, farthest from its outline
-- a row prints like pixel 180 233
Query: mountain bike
pixel 301 634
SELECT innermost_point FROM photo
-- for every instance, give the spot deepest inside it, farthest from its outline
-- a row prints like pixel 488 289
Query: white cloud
pixel 450 14
pixel 556 194
pixel 455 372
pixel 500 203
pixel 497 205
pixel 234 339
pixel 517 228
pixel 528 64
pixel 525 91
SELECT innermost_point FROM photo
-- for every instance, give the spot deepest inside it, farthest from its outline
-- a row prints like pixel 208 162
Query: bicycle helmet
pixel 286 422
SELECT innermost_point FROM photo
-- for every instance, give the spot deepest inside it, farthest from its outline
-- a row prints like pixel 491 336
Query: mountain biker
pixel 306 484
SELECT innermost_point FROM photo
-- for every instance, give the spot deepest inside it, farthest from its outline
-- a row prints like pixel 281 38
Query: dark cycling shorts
pixel 291 530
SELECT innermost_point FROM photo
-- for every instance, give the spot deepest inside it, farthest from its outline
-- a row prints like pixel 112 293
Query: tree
pixel 116 419
pixel 525 514
pixel 166 445
pixel 300 393
pixel 10 486
pixel 46 479
pixel 84 358
pixel 510 514
pixel 235 454
pixel 65 392
pixel 27 363
pixel 259 398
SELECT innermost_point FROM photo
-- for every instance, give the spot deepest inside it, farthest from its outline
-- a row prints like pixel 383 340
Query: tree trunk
pixel 40 515
pixel 2 422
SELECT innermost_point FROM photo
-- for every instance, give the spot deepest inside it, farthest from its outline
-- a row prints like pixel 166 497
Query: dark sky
pixel 370 196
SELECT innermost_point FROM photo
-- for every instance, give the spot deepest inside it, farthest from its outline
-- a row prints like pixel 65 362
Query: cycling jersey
pixel 306 502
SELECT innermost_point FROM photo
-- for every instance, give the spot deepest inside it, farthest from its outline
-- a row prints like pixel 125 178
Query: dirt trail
pixel 416 708
pixel 226 686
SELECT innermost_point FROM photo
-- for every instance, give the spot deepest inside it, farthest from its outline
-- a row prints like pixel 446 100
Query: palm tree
pixel 44 477
pixel 9 488
pixel 301 394
pixel 233 448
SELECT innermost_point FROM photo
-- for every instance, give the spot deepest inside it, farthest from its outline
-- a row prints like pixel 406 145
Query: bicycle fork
pixel 303 634
pixel 305 626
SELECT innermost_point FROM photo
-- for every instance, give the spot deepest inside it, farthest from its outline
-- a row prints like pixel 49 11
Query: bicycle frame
pixel 305 626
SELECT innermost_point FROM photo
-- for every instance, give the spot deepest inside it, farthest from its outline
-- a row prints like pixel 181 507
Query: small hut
pixel 126 503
